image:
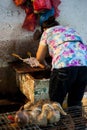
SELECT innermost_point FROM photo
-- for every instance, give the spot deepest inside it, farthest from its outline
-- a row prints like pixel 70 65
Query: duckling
pixel 21 117
pixel 24 117
pixel 58 107
pixel 53 115
pixel 42 118
pixel 34 113
pixel 40 113
pixel 54 112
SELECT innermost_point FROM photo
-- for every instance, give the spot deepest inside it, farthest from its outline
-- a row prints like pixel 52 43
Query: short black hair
pixel 49 23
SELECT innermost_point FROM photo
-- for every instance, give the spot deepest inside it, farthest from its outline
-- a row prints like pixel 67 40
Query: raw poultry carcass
pixel 42 113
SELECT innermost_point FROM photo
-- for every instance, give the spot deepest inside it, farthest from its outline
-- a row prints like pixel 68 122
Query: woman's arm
pixel 41 54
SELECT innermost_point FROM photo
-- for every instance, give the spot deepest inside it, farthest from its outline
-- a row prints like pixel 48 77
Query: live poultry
pixel 21 117
pixel 38 112
pixel 54 112
pixel 53 115
pixel 58 107
pixel 50 113
pixel 24 117
pixel 33 115
pixel 42 118
pixel 41 113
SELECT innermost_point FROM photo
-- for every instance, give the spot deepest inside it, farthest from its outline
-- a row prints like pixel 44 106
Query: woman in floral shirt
pixel 69 61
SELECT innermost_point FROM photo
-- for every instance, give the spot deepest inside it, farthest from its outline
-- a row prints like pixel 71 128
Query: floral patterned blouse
pixel 65 47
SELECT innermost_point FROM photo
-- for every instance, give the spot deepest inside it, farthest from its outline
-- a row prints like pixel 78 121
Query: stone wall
pixel 13 39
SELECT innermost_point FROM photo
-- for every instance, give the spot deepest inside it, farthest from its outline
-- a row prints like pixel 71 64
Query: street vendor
pixel 69 61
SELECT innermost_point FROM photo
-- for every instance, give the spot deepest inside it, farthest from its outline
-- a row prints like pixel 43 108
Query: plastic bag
pixel 44 16
pixel 40 5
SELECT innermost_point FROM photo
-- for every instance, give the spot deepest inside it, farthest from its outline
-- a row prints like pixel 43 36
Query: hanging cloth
pixel 40 5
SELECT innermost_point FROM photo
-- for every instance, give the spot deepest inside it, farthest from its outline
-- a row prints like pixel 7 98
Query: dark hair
pixel 49 23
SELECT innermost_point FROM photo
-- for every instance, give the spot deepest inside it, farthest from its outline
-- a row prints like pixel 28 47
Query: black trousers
pixel 71 80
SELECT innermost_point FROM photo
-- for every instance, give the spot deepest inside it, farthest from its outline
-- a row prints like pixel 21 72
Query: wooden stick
pixel 17 56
